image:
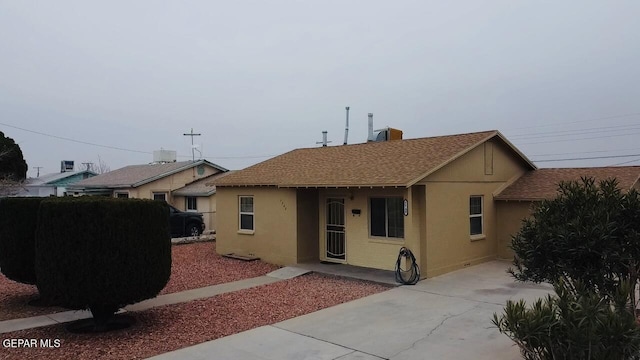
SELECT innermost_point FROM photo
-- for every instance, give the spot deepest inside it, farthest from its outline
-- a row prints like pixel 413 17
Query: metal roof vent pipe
pixel 370 136
pixel 346 129
pixel 324 141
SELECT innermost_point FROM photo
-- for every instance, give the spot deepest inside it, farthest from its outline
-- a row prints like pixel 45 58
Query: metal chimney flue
pixel 324 141
pixel 370 136
pixel 346 129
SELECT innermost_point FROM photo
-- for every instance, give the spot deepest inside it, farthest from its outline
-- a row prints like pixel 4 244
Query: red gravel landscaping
pixel 162 329
pixel 193 266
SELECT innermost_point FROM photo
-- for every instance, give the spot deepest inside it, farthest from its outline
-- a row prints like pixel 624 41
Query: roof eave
pixel 519 199
pixel 195 193
pixel 175 171
pixel 515 149
pixel 317 186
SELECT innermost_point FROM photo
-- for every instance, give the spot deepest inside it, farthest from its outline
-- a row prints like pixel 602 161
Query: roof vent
pixel 66 165
pixel 164 156
pixel 387 134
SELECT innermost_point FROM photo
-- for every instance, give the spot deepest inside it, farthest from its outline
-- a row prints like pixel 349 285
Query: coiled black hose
pixel 413 271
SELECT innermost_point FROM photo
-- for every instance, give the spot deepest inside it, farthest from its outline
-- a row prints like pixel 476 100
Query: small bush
pixel 575 324
pixel 102 253
pixel 18 219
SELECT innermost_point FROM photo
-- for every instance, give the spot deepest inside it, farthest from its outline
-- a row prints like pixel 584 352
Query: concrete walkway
pixel 168 299
pixel 447 317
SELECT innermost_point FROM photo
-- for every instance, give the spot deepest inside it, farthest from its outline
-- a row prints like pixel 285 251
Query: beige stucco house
pixel 359 204
pixel 454 201
pixel 200 196
pixel 158 181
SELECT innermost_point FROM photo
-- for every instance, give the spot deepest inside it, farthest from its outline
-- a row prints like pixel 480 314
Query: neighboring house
pixel 200 196
pixel 53 184
pixel 359 204
pixel 150 181
pixel 516 201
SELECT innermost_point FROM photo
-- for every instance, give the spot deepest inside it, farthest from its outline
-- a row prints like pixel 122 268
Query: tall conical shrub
pixel 102 253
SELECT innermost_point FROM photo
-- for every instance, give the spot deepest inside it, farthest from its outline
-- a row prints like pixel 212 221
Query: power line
pixel 581 121
pixel 584 131
pixel 626 162
pixel 76 141
pixel 587 138
pixel 588 158
pixel 233 157
pixel 584 152
pixel 522 136
pixel 130 150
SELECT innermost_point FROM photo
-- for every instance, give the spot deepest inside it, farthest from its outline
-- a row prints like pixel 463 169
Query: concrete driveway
pixel 447 317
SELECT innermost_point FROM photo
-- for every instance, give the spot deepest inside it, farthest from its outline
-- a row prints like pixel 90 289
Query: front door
pixel 335 230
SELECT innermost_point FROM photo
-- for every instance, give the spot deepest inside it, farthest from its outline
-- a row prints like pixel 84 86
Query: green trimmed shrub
pixel 102 253
pixel 589 233
pixel 18 219
pixel 578 323
pixel 586 242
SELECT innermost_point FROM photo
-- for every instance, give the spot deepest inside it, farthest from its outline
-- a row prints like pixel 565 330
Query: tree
pixel 100 167
pixel 12 164
pixel 586 243
pixel 589 233
pixel 13 168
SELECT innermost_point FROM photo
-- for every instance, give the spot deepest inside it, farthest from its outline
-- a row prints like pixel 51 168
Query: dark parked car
pixel 185 223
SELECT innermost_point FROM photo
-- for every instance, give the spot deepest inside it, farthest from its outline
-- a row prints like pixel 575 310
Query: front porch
pixel 386 277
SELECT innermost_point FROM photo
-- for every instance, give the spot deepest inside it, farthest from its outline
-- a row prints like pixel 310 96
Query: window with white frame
pixel 160 196
pixel 191 203
pixel 246 215
pixel 122 195
pixel 386 217
pixel 475 215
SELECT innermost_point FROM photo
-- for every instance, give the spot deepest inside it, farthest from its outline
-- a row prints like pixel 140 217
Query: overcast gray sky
pixel 258 78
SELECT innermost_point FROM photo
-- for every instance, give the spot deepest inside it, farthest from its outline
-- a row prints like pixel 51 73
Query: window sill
pixel 478 237
pixel 246 232
pixel 382 240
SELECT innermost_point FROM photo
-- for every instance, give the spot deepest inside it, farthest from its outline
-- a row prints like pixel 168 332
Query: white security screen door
pixel 335 235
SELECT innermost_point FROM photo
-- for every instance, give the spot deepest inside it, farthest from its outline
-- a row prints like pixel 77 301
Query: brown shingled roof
pixel 136 175
pixel 389 163
pixel 543 183
pixel 201 187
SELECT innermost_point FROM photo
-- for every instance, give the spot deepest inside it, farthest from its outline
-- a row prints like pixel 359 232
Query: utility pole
pixel 193 153
pixel 89 165
pixel 38 169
